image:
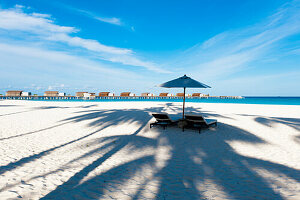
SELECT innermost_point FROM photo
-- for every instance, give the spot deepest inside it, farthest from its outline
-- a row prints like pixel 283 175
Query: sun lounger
pixel 200 121
pixel 163 120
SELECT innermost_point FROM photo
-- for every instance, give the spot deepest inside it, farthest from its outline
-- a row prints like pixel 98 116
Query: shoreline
pixel 245 100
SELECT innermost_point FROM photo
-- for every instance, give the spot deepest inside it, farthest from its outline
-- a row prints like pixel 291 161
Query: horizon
pixel 239 48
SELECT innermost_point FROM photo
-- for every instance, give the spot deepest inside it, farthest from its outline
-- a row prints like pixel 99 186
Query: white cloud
pixel 44 29
pixel 17 20
pixel 88 44
pixel 56 59
pixel 38 68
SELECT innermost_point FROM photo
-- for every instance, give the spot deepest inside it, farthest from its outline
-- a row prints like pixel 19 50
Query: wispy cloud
pixel 235 50
pixel 42 28
pixel 110 20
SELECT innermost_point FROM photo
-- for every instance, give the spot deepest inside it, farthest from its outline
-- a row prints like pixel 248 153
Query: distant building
pixel 106 94
pixel 80 94
pixel 61 94
pixel 14 93
pixel 165 95
pixel 127 94
pixel 181 95
pixel 51 93
pixel 146 94
pixel 196 94
pixel 86 94
pixel 26 94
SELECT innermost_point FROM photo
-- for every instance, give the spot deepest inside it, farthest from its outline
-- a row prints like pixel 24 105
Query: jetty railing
pixel 113 97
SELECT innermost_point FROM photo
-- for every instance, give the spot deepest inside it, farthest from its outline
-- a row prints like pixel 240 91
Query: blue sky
pixel 249 47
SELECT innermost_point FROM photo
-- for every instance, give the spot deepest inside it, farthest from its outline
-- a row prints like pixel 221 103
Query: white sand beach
pixel 106 150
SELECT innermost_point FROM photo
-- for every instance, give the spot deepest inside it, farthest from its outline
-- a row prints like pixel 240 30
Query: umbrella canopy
pixel 184 82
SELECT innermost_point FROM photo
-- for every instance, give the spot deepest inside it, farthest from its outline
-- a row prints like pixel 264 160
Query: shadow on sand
pixel 271 121
pixel 207 158
pixel 196 163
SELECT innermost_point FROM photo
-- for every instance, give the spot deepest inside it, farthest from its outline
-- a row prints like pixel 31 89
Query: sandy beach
pixel 106 150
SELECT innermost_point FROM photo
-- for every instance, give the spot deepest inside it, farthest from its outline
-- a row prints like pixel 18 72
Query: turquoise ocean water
pixel 245 100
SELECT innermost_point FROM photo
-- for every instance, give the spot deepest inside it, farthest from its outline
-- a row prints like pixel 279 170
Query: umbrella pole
pixel 183 102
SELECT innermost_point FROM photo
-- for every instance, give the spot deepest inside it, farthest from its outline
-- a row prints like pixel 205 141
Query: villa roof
pixel 163 94
pixel 125 93
pixel 103 94
pixel 196 94
pixel 180 94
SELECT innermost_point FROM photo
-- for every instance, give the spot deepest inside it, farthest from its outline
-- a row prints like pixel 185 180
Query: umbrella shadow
pixel 209 157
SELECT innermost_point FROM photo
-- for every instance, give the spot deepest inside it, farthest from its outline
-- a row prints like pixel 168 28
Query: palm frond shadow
pixel 271 121
pixel 207 157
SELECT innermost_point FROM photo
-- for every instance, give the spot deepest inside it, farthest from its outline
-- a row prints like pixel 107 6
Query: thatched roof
pixel 196 94
pixel 163 94
pixel 180 94
pixel 125 94
pixel 103 94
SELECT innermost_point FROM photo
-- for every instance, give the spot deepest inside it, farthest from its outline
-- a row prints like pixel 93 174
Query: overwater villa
pixel 147 94
pixel 197 95
pixel 51 93
pixel 165 95
pixel 14 93
pixel 86 94
pixel 89 95
pixel 19 94
pixel 181 95
pixel 106 94
pixel 127 94
pixel 26 94
pixel 80 94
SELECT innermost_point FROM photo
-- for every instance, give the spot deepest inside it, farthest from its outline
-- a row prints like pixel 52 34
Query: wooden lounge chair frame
pixel 200 121
pixel 162 119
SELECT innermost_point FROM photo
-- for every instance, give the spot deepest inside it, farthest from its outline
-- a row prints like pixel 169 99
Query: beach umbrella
pixel 183 82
